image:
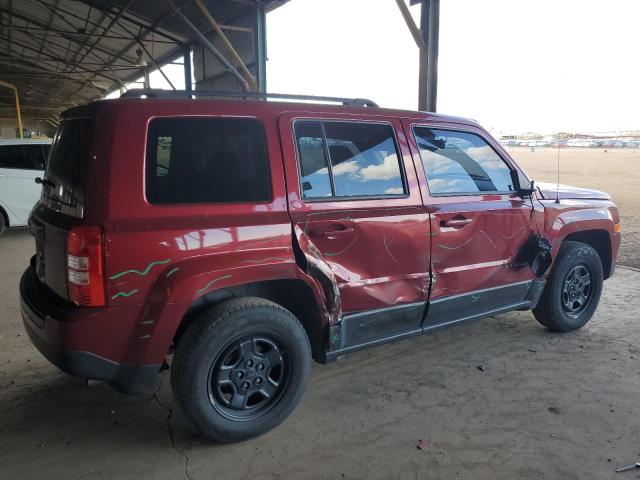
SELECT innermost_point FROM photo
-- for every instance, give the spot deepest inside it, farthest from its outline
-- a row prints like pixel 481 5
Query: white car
pixel 21 161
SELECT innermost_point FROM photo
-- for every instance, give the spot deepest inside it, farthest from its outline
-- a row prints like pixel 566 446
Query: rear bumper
pixel 49 323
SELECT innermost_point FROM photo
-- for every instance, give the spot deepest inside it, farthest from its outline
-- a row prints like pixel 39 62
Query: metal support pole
pixel 18 113
pixel 432 47
pixel 424 55
pixel 261 46
pixel 187 69
pixel 428 77
pixel 207 44
pixel 147 82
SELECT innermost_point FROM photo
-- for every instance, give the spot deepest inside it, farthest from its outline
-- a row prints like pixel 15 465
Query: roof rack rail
pixel 159 93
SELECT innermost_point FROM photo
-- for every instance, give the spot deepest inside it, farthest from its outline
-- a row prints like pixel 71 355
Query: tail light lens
pixel 85 274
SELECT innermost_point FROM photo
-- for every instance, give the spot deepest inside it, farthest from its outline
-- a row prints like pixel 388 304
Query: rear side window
pixel 207 160
pixel 24 157
pixel 461 163
pixel 67 159
pixel 348 159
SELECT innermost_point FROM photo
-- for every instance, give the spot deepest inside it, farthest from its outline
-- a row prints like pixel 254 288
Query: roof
pixel 248 107
pixel 61 53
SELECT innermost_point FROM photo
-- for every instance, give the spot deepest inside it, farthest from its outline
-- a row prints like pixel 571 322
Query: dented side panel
pixel 476 238
pixel 366 253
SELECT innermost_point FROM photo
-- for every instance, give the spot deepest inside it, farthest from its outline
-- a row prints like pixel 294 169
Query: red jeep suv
pixel 248 236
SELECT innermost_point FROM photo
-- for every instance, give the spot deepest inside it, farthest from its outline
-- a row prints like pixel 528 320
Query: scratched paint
pixel 124 294
pixel 333 254
pixel 448 247
pixel 172 271
pixel 211 283
pixel 138 272
pixel 268 259
pixel 386 246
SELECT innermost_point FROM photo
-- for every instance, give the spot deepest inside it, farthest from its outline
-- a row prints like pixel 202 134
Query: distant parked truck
pixel 21 161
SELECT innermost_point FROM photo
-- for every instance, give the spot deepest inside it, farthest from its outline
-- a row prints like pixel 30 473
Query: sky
pixel 513 65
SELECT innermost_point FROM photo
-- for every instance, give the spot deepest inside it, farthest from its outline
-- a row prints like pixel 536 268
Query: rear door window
pixel 67 159
pixel 207 160
pixel 461 163
pixel 23 157
pixel 363 159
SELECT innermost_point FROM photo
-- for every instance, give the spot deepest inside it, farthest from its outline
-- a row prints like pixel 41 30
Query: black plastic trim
pixel 36 311
pixel 345 337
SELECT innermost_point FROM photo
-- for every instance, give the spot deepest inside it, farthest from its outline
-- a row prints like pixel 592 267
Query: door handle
pixel 334 231
pixel 455 222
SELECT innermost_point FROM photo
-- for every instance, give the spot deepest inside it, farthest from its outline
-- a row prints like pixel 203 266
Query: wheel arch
pixel 293 294
pixel 5 216
pixel 600 241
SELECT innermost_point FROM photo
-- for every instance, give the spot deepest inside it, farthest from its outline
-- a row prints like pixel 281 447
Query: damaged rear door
pixel 359 221
pixel 480 224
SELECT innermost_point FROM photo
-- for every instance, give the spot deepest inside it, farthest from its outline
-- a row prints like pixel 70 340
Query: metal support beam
pixel 147 82
pixel 187 69
pixel 432 47
pixel 413 28
pixel 261 46
pixel 18 113
pixel 228 45
pixel 428 76
pixel 207 44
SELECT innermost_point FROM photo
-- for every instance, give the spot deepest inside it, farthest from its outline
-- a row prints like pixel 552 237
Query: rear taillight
pixel 84 266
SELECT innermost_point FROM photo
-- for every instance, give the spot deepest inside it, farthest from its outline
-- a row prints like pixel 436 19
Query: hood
pixel 548 191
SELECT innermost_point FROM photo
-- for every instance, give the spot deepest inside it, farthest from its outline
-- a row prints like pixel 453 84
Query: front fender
pixel 574 216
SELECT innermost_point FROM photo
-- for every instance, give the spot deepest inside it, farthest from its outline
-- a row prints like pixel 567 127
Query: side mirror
pixel 527 191
pixel 38 180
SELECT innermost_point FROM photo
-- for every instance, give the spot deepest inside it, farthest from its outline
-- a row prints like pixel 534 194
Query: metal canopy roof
pixel 60 53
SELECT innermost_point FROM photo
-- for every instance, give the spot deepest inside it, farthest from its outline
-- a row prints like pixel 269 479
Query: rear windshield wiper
pixel 45 181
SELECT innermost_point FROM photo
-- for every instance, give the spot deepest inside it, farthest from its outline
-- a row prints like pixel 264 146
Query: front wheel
pixel 573 289
pixel 241 368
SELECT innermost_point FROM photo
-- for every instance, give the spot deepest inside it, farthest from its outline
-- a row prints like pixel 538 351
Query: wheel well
pixel 5 216
pixel 601 243
pixel 294 295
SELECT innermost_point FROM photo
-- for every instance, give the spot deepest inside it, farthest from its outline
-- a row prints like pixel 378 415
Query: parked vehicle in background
pixel 21 161
pixel 249 237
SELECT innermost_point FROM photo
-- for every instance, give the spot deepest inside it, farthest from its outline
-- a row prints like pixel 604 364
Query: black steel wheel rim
pixel 249 376
pixel 577 290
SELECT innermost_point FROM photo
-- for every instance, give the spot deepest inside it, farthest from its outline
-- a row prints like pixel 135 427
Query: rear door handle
pixel 335 231
pixel 455 222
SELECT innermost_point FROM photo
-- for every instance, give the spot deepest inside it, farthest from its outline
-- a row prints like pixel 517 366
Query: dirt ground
pixel 616 171
pixel 543 405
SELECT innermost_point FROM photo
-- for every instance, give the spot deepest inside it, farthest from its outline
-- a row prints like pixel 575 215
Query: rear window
pixel 65 166
pixel 207 160
pixel 24 157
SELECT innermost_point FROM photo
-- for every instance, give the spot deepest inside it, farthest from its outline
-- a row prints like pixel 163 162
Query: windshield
pixel 65 166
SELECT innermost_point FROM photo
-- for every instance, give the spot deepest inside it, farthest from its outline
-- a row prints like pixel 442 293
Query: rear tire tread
pixel 198 332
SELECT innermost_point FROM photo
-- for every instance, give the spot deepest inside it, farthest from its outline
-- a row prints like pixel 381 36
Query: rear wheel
pixel 241 368
pixel 573 289
pixel 3 223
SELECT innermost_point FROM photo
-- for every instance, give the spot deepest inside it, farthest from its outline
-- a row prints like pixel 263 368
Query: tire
pixel 573 289
pixel 3 223
pixel 240 369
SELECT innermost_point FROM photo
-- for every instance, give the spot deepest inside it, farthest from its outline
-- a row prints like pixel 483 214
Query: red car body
pixel 402 265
